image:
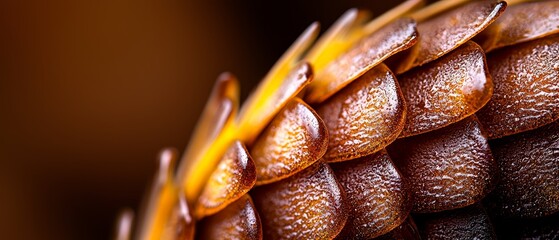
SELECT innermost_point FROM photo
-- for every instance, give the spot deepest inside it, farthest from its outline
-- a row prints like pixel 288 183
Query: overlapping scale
pixel 471 222
pixel 239 220
pixel 166 214
pixel 444 32
pixel 364 117
pixel 337 39
pixel 446 90
pixel 285 80
pixel 377 197
pixel 221 107
pixel 448 168
pixel 308 205
pixel 521 23
pixel 529 165
pixel 180 225
pixel 234 176
pixel 294 140
pixel 211 137
pixel 361 57
pixel 443 153
pixel 526 95
pixel 351 27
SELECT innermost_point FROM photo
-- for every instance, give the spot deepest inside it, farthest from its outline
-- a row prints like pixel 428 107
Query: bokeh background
pixel 90 91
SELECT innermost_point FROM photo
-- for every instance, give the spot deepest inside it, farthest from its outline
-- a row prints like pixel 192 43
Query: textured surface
pixel 377 198
pixel 526 95
pixel 406 231
pixel 521 23
pixel 364 55
pixel 239 220
pixel 448 168
pixel 364 117
pixel 234 176
pixel 466 223
pixel 259 109
pixel 308 205
pixel 446 91
pixel 529 164
pixel 445 32
pixel 294 140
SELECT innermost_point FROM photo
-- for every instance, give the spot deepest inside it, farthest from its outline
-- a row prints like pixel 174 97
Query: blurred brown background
pixel 90 91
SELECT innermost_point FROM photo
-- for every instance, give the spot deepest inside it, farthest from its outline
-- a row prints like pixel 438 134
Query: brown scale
pixel 294 140
pixel 308 205
pixel 526 95
pixel 521 23
pixel 364 55
pixel 443 33
pixel 239 220
pixel 273 94
pixel 219 112
pixel 445 91
pixel 447 168
pixel 377 197
pixel 364 117
pixel 529 165
pixel 471 222
pixel 234 176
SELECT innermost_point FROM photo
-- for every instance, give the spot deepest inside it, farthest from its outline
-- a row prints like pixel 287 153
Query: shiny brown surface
pixel 364 117
pixel 308 205
pixel 447 168
pixel 471 222
pixel 446 90
pixel 377 197
pixel 526 95
pixel 445 32
pixel 295 139
pixel 521 23
pixel 239 220
pixel 234 176
pixel 364 55
pixel 529 165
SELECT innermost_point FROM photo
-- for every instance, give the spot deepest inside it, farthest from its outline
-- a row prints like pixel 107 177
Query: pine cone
pixel 434 122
